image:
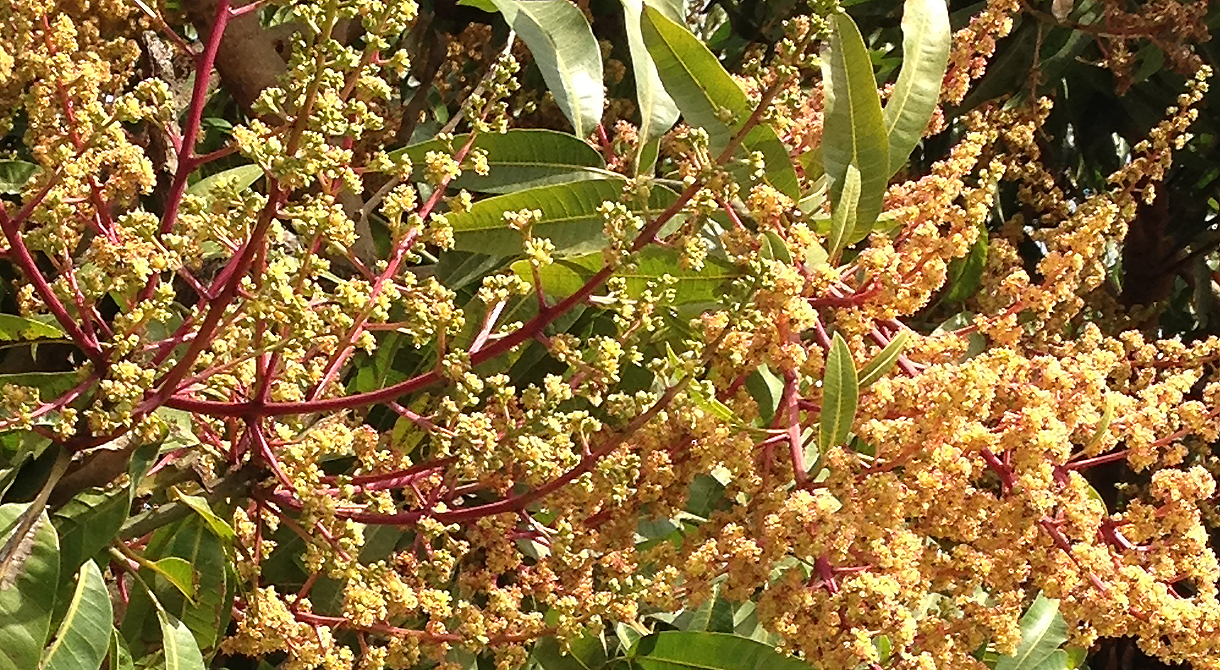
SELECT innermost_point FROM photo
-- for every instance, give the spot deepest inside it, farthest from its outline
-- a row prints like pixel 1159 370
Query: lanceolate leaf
pixel 925 55
pixel 181 651
pixel 1107 416
pixel 840 394
pixel 710 99
pixel 88 523
pixel 843 219
pixel 658 111
pixel 884 360
pixel 854 132
pixel 569 217
pixel 192 542
pixel 13 327
pixel 25 606
pixel 566 52
pixel 84 633
pixel 242 175
pixel 1043 630
pixel 520 159
pixel 682 650
pixel 566 276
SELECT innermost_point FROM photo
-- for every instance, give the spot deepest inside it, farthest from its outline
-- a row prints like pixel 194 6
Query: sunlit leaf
pixel 709 98
pixel 15 328
pixel 658 111
pixel 884 360
pixel 1043 630
pixel 84 633
pixel 925 55
pixel 566 52
pixel 519 159
pixel 681 650
pixel 568 275
pixel 181 650
pixel 854 132
pixel 26 605
pixel 570 217
pixel 241 176
pixel 840 395
pixel 843 218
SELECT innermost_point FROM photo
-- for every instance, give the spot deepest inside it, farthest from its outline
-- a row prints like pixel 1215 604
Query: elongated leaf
pixel 243 176
pixel 178 572
pixel 854 132
pixel 51 384
pixel 14 175
pixel 840 395
pixel 1107 416
pixel 203 508
pixel 193 542
pixel 587 652
pixel 885 359
pixel 119 656
pixel 88 523
pixel 519 159
pixel 926 40
pixel 25 607
pixel 843 218
pixel 14 328
pixel 965 274
pixel 566 52
pixel 1043 630
pixel 569 217
pixel 705 92
pixel 181 651
pixel 84 633
pixel 658 111
pixel 566 276
pixel 681 650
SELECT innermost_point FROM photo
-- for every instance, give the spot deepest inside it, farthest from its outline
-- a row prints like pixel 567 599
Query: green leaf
pixel 119 655
pixel 15 328
pixel 681 650
pixel 50 384
pixel 1107 416
pixel 519 159
pixel 566 276
pixel 884 360
pixel 14 175
pixel 587 652
pixel 189 540
pixel 84 633
pixel 707 96
pixel 926 40
pixel 203 508
pixel 766 388
pixel 178 572
pixel 242 176
pixel 658 111
pixel 843 219
pixel 840 394
pixel 570 217
pixel 854 132
pixel 566 52
pixel 26 605
pixel 965 274
pixel 181 651
pixel 1043 630
pixel 88 523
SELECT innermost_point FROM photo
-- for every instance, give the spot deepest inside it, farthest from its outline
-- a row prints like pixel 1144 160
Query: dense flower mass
pixel 406 425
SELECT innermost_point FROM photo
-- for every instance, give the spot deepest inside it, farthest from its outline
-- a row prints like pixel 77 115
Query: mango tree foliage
pixel 576 335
